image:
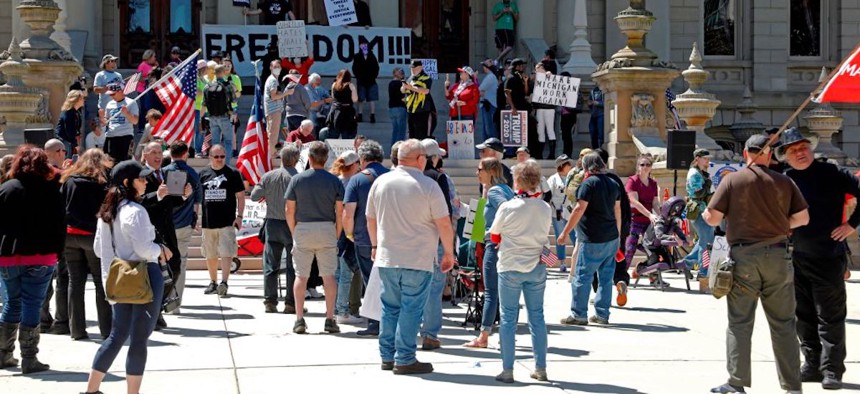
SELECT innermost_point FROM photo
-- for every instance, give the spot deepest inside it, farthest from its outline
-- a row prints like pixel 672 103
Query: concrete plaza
pixel 661 342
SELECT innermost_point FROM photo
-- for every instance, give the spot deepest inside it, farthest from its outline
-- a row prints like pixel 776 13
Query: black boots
pixel 29 340
pixel 8 332
pixel 551 150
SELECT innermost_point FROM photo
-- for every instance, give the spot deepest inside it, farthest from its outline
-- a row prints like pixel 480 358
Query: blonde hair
pixel 90 164
pixel 494 168
pixel 71 98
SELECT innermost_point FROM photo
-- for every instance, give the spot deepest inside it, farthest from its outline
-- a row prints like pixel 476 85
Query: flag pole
pixel 184 62
pixel 812 95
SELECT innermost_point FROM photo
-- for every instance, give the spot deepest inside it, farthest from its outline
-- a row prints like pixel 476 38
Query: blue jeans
pixel 432 318
pixel 532 285
pixel 557 226
pixel 594 257
pixel 706 236
pixel 398 123
pixel 404 294
pixel 135 321
pixel 491 286
pixel 490 129
pixel 222 133
pixel 347 266
pixel 365 265
pixel 24 289
pixel 198 133
pixel 595 129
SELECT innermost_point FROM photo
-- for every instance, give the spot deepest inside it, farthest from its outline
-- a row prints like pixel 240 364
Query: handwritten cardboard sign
pixel 292 40
pixel 340 12
pixel 461 140
pixel 556 90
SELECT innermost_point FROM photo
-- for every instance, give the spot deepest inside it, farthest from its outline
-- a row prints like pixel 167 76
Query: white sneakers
pixel 349 319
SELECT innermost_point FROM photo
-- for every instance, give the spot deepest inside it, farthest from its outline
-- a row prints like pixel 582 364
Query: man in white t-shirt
pixel 559 200
pixel 407 216
pixel 121 114
pixel 105 77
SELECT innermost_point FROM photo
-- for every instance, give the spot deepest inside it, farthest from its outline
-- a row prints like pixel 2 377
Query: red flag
pixel 844 86
pixel 177 92
pixel 253 159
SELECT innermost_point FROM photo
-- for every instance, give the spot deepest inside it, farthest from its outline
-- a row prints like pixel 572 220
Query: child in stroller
pixel 665 232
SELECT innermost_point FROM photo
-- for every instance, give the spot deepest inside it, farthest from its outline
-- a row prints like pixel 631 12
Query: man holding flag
pixel 121 114
pixel 177 91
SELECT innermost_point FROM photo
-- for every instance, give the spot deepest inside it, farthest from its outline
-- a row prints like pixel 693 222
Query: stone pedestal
pixel 825 121
pixel 634 84
pixel 21 106
pixel 697 107
pixel 51 66
pixel 747 125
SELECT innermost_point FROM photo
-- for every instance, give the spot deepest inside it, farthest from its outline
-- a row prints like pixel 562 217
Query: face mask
pixel 363 49
pixel 276 72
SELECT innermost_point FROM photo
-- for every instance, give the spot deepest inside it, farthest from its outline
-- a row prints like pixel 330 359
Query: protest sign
pixel 252 219
pixel 431 68
pixel 336 147
pixel 304 159
pixel 340 12
pixel 333 48
pixel 474 228
pixel 515 128
pixel 719 171
pixel 461 140
pixel 292 41
pixel 556 90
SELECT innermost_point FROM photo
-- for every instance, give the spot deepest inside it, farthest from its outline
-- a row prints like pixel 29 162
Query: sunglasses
pixel 644 164
pixel 218 157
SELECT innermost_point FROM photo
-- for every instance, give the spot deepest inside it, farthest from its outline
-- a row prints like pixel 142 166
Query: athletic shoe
pixel 211 289
pixel 300 327
pixel 598 320
pixel 539 375
pixel 331 327
pixel 621 298
pixel 574 321
pixel 222 289
pixel 831 381
pixel 728 388
pixel 313 293
pixel 507 376
pixel 349 319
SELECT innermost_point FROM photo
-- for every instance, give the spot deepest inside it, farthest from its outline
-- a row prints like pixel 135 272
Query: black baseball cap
pixel 128 169
pixel 416 63
pixel 518 62
pixel 756 143
pixel 492 143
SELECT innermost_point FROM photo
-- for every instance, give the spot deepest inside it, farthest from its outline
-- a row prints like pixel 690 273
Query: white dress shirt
pixel 133 237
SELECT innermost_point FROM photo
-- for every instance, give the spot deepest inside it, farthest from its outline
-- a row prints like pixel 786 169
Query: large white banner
pixel 333 48
pixel 340 12
pixel 292 39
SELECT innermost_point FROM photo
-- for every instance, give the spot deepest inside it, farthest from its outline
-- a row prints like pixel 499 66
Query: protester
pixel 406 216
pixel 56 152
pixel 523 155
pixel 567 123
pixel 698 195
pixel 517 93
pixel 223 193
pixel 595 124
pixel 621 278
pixel 463 96
pixel 147 63
pixel 59 323
pixel 302 65
pixel 302 135
pixel 124 231
pixel 354 213
pixel 233 78
pixel 397 106
pixel 5 165
pixel 121 114
pixel 556 184
pixel 273 106
pixel 96 138
pixel 298 105
pixel 218 98
pixel 644 196
pixel 202 79
pixel 506 14
pixel 550 65
pixel 152 117
pixel 518 229
pixel 107 76
pixel 272 11
pixel 84 189
pixel 419 102
pixel 175 57
pixel 314 215
pixel 545 114
pixel 496 192
pixel 320 102
pixel 342 119
pixel 345 167
pixel 761 207
pixel 278 239
pixel 597 218
pixel 820 259
pixel 489 90
pixel 31 238
pixel 68 128
pixel 432 319
pixel 365 67
pixel 493 148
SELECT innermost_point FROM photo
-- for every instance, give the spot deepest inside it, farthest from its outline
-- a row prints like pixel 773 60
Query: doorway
pixel 440 30
pixel 158 25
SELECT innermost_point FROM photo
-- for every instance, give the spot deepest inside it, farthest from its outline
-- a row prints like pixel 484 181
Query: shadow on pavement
pixel 852 321
pixel 57 376
pixel 567 352
pixel 645 327
pixel 196 333
pixel 217 316
pixel 206 308
pixel 660 310
pixel 474 380
pixel 488 353
pixel 594 388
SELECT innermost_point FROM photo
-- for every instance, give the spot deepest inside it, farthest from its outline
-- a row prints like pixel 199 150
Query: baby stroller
pixel 661 246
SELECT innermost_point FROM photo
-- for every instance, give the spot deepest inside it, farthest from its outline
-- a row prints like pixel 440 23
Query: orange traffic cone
pixel 665 194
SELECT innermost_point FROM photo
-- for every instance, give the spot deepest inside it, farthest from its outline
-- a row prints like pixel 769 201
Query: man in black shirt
pixel 820 259
pixel 273 11
pixel 516 92
pixel 223 191
pixel 397 106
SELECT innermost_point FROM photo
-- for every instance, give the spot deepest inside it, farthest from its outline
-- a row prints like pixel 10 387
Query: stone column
pixel 59 35
pixel 580 61
pixel 825 121
pixel 696 106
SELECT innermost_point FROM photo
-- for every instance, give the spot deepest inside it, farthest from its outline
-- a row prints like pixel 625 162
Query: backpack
pixel 217 99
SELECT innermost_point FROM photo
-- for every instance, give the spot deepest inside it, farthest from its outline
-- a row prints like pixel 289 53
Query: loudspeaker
pixel 679 151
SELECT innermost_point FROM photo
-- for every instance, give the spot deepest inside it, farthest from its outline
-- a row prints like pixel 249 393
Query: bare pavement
pixel 661 342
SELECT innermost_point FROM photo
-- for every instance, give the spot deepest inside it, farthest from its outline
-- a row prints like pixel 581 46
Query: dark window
pixel 720 24
pixel 805 28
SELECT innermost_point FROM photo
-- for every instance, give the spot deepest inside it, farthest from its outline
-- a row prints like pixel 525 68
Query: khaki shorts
pixel 315 239
pixel 219 242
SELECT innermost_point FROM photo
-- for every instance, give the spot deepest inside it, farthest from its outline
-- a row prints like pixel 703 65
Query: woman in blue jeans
pixel 520 229
pixel 31 238
pixel 125 231
pixel 496 192
pixel 699 190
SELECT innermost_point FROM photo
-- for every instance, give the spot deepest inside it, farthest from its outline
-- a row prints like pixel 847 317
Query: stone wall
pixel 6 11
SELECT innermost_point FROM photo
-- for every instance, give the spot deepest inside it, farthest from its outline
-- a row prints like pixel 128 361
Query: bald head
pixel 56 151
pixel 410 153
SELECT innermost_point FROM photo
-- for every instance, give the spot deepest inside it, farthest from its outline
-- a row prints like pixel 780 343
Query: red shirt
pixel 296 135
pixel 304 68
pixel 647 194
pixel 471 95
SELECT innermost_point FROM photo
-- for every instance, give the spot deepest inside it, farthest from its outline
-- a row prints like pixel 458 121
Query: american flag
pixel 670 97
pixel 177 92
pixel 548 257
pixel 131 84
pixel 706 258
pixel 207 143
pixel 253 159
